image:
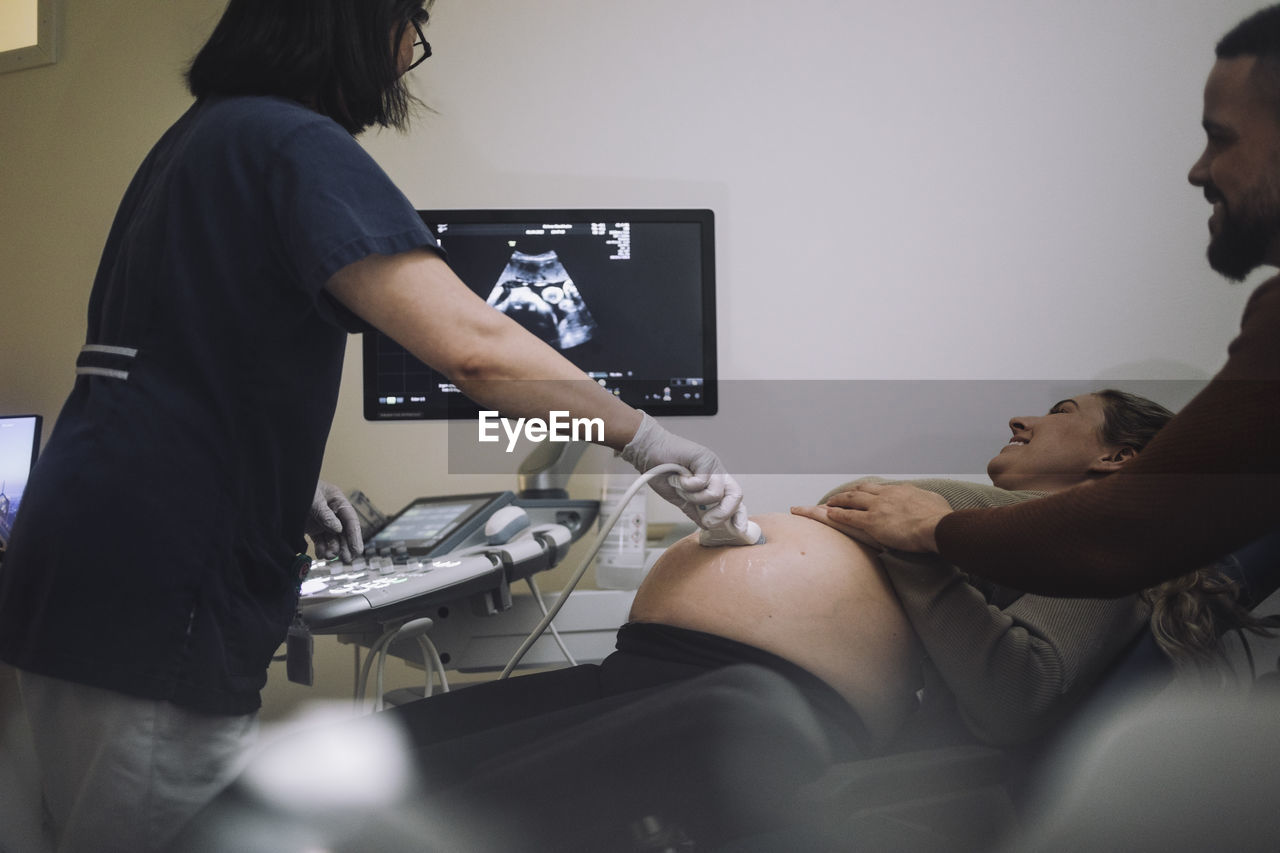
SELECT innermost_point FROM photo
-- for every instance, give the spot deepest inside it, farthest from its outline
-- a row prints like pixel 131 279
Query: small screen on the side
pixel 422 522
pixel 426 521
pixel 19 445
pixel 626 295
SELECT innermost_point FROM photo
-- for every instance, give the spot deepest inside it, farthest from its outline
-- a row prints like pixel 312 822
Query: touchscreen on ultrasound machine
pixel 430 526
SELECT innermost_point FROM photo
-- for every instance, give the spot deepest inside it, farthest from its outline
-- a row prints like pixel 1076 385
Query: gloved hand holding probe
pixel 709 496
pixel 333 525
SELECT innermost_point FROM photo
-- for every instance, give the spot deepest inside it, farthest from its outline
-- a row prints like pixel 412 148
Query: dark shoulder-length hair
pixel 338 57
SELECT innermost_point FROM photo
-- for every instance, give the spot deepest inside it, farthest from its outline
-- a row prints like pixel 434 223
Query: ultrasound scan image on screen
pixel 626 295
pixel 537 292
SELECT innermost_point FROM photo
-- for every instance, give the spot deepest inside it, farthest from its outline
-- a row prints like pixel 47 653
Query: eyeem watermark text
pixel 560 428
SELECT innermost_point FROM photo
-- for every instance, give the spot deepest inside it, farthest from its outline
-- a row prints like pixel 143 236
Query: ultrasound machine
pixel 626 295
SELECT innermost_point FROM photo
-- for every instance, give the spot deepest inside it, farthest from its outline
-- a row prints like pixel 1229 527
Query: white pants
pixel 121 773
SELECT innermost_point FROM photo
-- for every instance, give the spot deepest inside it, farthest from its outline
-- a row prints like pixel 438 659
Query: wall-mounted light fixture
pixel 28 34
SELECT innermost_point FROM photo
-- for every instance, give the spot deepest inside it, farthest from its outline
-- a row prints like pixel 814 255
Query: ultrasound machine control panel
pixel 442 549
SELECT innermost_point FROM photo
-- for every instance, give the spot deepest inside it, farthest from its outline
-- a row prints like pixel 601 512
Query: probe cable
pixel 431 663
pixel 542 606
pixel 641 481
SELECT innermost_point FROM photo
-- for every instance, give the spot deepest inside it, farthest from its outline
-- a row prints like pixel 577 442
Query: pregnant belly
pixel 810 595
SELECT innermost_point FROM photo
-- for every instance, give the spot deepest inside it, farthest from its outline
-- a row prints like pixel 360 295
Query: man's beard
pixel 1247 231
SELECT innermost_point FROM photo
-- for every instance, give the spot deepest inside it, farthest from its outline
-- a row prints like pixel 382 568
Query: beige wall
pixel 71 135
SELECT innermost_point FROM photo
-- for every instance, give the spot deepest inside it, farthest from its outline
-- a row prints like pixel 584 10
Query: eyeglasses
pixel 421 47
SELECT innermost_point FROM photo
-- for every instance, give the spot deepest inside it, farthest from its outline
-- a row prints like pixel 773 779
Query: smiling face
pixel 1239 170
pixel 1056 451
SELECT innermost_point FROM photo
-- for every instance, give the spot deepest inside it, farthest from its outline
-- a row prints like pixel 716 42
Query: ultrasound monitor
pixel 19 446
pixel 626 295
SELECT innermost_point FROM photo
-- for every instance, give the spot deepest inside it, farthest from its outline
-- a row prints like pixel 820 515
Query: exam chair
pixel 761 785
pixel 1092 784
pixel 1190 770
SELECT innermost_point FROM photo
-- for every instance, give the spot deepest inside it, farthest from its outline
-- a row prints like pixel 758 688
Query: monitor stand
pixel 545 472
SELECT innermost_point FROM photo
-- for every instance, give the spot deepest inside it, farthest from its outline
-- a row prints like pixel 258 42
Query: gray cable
pixel 641 481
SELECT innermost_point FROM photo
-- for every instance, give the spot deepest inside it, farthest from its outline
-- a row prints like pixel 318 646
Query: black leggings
pixel 705 733
pixel 506 713
pixel 706 736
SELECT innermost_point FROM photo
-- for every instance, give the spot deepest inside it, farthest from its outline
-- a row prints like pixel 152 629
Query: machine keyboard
pixel 330 599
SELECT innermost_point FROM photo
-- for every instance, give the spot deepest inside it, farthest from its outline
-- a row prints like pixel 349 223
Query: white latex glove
pixel 709 496
pixel 333 525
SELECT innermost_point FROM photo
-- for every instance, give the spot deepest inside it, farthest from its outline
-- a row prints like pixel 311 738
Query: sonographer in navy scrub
pixel 152 571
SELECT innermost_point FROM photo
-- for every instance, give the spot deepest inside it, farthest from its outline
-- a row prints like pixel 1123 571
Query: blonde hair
pixel 1191 614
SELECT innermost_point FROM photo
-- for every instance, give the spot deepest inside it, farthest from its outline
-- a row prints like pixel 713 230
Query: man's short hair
pixel 1259 36
pixel 338 57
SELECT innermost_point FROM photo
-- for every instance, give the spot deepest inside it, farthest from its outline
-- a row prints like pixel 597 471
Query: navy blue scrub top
pixel 154 549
